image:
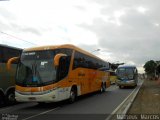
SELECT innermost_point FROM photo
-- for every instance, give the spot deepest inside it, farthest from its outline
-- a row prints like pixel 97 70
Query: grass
pixel 148 99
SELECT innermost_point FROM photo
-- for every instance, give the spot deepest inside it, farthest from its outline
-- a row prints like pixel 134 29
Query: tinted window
pixel 66 51
pixel 7 53
pixel 38 55
pixel 64 62
pixel 45 54
pixel 84 61
pixel 36 67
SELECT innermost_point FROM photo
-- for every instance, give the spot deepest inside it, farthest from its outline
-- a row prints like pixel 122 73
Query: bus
pixel 7 81
pixel 59 72
pixel 113 76
pixel 127 75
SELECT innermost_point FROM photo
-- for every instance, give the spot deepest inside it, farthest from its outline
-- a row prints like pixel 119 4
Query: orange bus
pixel 55 73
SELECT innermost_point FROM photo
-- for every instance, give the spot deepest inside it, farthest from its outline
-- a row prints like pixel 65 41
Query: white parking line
pixel 42 113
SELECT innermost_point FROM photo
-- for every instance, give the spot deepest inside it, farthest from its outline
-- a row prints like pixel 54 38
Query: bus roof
pixel 110 70
pixel 3 45
pixel 127 66
pixel 52 47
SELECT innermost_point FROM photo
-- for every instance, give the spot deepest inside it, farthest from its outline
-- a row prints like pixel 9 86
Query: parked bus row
pixel 125 75
pixel 56 73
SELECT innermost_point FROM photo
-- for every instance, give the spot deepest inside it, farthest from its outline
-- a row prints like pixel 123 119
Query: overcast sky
pixel 125 30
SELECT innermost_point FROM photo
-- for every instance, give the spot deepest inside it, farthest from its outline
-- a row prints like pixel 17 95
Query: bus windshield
pixel 125 73
pixel 36 68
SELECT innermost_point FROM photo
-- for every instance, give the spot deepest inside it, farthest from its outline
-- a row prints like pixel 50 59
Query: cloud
pixel 8 22
pixel 6 14
pixel 4 17
pixel 89 48
pixel 125 30
pixel 25 29
pixel 136 39
pixel 3 25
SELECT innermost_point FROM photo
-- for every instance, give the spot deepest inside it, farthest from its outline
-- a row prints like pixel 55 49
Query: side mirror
pixel 104 69
pixel 57 58
pixel 10 61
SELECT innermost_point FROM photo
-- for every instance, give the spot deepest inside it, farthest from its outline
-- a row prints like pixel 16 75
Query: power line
pixel 17 38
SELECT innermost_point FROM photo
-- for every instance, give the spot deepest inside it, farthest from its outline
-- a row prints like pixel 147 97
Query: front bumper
pixel 126 83
pixel 47 97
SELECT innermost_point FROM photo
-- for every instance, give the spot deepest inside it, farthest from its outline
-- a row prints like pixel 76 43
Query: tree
pixel 158 68
pixel 150 68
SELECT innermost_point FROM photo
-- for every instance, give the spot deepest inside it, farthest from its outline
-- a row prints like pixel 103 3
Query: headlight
pixel 130 81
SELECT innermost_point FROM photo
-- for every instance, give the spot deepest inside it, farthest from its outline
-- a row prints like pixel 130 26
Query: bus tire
pixel 103 87
pixel 10 98
pixel 73 95
pixel 1 99
pixel 120 87
pixel 135 86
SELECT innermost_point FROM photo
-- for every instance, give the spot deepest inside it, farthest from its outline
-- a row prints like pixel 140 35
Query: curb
pixel 123 108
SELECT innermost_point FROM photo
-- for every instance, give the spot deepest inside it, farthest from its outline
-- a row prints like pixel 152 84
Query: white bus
pixel 127 75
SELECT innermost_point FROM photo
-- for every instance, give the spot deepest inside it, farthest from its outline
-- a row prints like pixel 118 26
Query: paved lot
pixel 93 106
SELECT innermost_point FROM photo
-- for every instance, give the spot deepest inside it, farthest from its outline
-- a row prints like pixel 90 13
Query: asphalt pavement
pixel 96 106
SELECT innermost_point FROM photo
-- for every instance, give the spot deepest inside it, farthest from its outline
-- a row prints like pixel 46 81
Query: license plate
pixel 32 98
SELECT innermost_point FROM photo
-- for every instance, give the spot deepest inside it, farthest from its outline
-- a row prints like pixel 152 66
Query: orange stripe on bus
pixel 61 84
pixel 35 89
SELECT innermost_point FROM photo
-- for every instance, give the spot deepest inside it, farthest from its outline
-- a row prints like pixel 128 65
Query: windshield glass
pixel 125 73
pixel 36 68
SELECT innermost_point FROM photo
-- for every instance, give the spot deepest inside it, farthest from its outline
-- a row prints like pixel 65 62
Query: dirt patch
pixel 148 99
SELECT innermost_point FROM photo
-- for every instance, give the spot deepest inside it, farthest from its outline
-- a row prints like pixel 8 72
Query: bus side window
pixel 63 67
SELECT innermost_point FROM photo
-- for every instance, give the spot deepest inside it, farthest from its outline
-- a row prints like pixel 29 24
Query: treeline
pixel 152 69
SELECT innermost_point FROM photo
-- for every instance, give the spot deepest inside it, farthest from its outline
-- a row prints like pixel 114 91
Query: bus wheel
pixel 134 86
pixel 11 98
pixel 73 95
pixel 103 87
pixel 1 100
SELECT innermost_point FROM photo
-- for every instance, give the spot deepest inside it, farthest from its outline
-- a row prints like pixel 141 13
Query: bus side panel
pixel 92 80
pixel 64 87
pixel 7 77
pixel 96 80
pixel 87 80
pixel 76 76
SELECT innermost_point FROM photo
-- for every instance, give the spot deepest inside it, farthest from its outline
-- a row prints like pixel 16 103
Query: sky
pixel 124 30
